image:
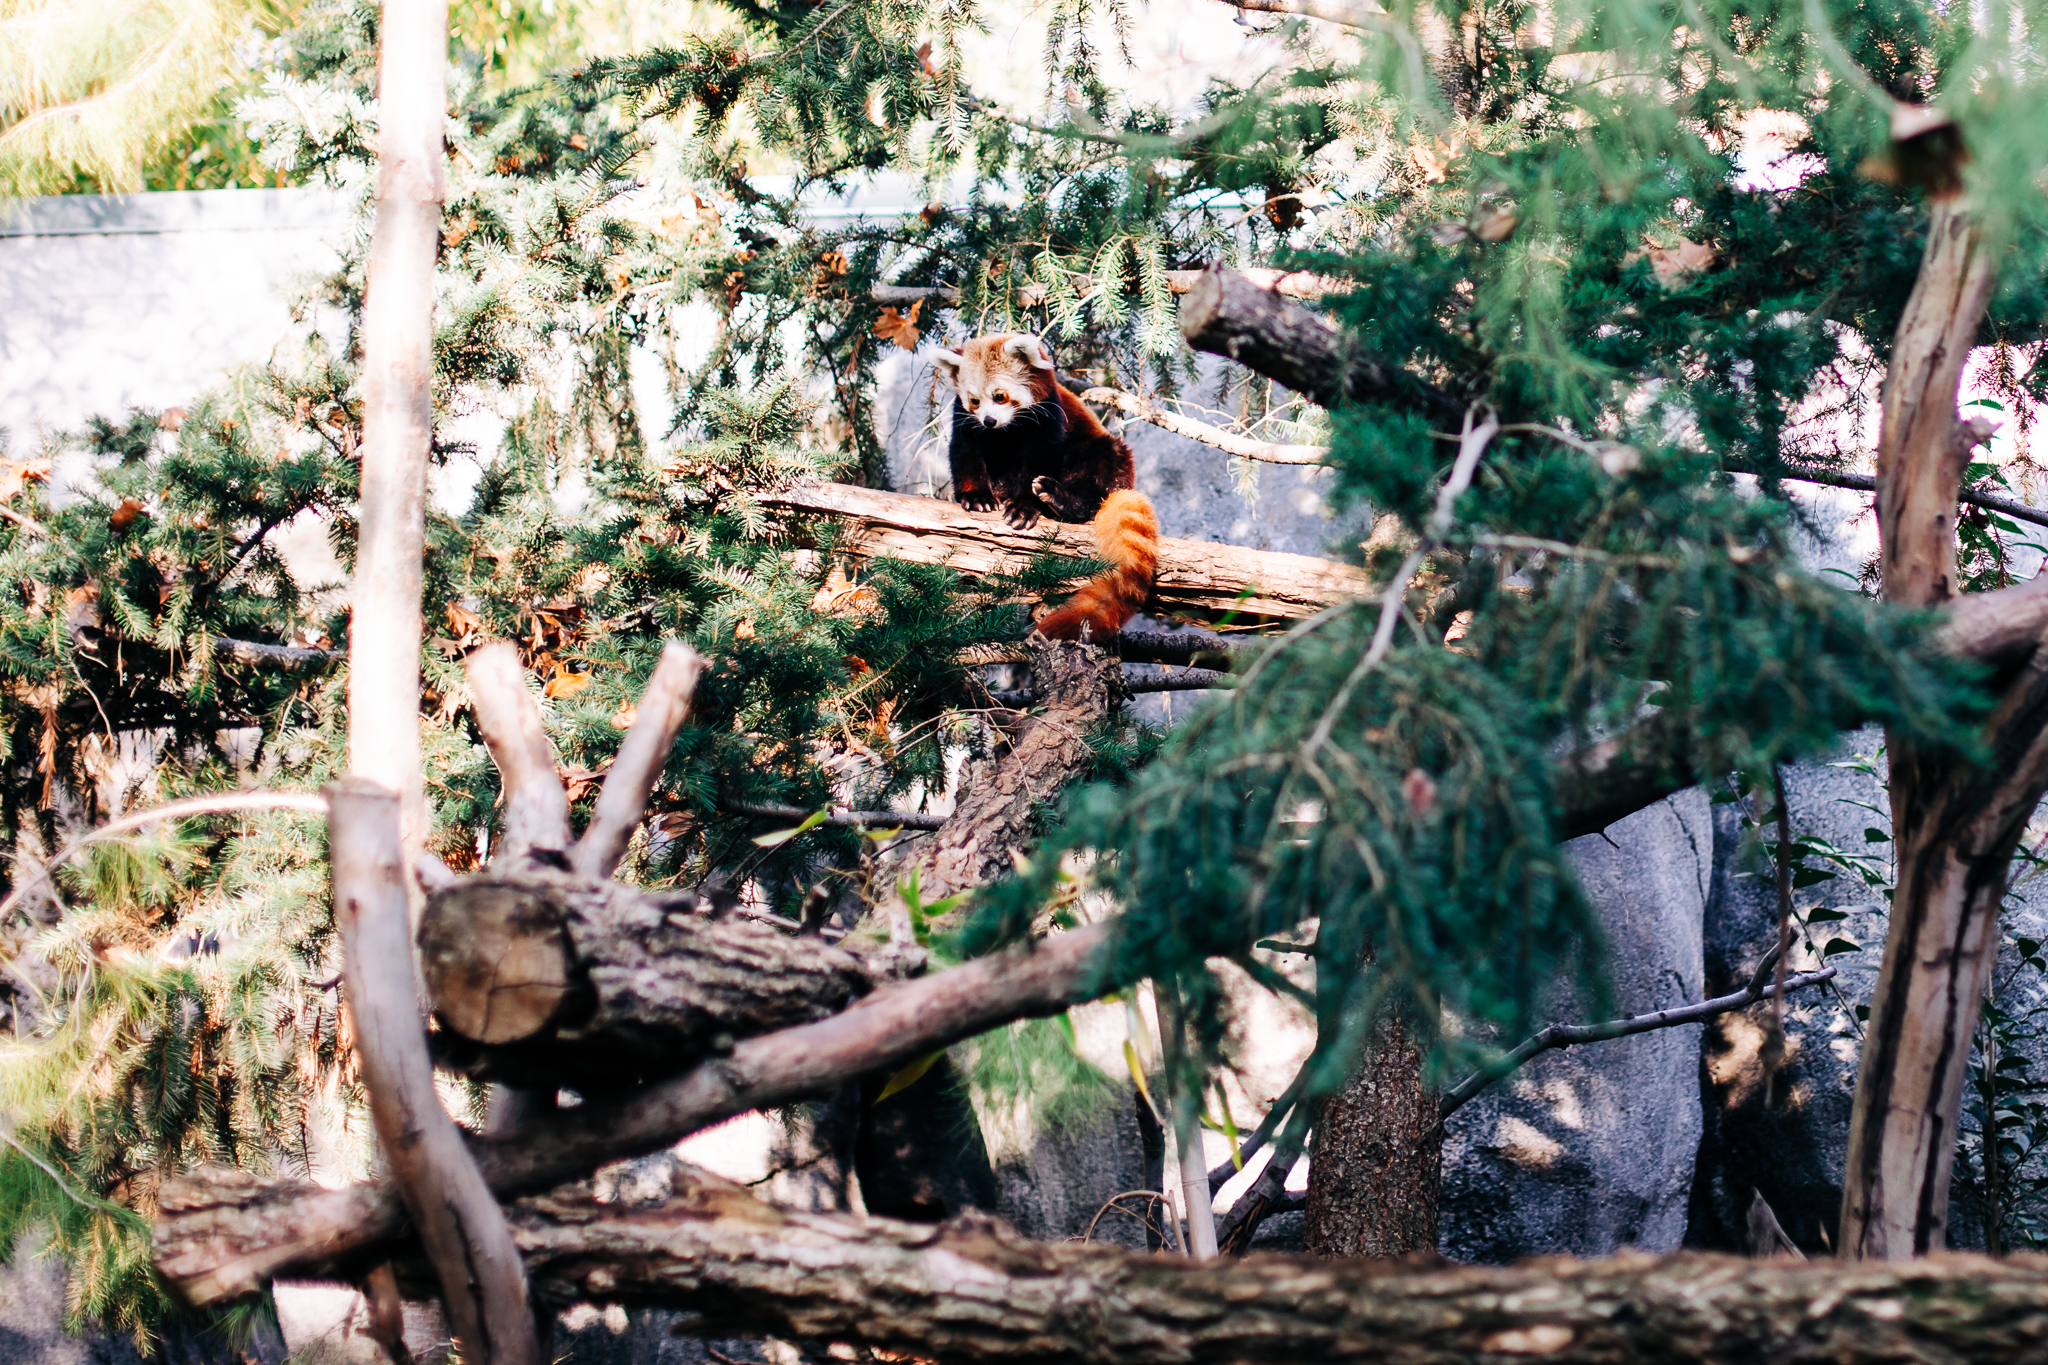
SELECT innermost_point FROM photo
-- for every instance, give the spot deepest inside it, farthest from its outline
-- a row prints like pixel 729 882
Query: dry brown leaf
pixel 744 630
pixel 171 420
pixel 123 517
pixel 567 684
pixel 924 58
pixel 623 718
pixel 579 142
pixel 900 328
pixel 1672 264
pixel 579 782
pixel 840 596
pixel 1495 225
pixel 832 264
pixel 15 473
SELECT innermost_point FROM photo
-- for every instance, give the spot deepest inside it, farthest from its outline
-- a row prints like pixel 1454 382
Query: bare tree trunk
pixel 1376 1168
pixel 483 1283
pixel 398 404
pixel 1954 828
pixel 973 1292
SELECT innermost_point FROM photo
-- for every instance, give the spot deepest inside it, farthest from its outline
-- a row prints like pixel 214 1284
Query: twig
pixel 1571 1035
pixel 276 656
pixel 657 716
pixel 213 804
pixel 483 1281
pixel 25 523
pixel 536 807
pixel 836 815
pixel 1245 447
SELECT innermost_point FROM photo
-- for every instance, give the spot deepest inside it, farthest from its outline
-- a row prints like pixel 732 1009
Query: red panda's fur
pixel 1127 537
pixel 1050 456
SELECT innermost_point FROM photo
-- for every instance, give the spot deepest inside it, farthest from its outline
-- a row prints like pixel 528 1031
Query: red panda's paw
pixel 975 500
pixel 1020 516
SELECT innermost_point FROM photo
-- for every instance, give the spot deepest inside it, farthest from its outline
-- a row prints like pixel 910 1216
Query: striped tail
pixel 1127 536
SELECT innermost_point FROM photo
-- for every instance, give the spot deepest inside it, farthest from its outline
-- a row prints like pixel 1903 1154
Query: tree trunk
pixel 1195 578
pixel 542 978
pixel 1376 1167
pixel 1954 828
pixel 972 1291
pixel 398 405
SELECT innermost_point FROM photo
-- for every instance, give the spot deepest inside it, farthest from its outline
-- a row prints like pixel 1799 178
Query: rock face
pixel 1590 1150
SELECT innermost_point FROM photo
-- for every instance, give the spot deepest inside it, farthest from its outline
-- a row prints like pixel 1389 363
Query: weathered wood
pixel 398 404
pixel 658 715
pixel 541 977
pixel 1195 578
pixel 1229 315
pixel 1075 685
pixel 483 1284
pixel 1954 827
pixel 536 806
pixel 974 1292
pixel 210 1258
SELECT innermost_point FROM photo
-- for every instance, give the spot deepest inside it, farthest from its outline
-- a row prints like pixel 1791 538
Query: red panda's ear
pixel 947 363
pixel 1032 351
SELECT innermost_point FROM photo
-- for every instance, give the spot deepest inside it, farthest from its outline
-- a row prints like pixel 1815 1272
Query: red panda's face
pixel 1000 376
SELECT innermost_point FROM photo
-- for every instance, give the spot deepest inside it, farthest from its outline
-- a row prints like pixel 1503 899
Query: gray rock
pixel 1590 1150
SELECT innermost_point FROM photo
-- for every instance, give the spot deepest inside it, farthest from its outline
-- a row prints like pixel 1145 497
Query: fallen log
pixel 1195 578
pixel 208 1259
pixel 542 978
pixel 973 1292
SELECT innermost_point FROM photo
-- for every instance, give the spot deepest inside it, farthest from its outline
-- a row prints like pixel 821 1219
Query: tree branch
pixel 658 715
pixel 1760 988
pixel 836 815
pixel 317 1230
pixel 483 1284
pixel 1245 447
pixel 291 658
pixel 536 807
pixel 1228 315
pixel 1194 578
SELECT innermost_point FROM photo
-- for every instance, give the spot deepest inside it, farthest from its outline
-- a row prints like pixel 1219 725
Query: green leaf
pixel 1839 945
pixel 1811 876
pixel 1821 914
pixel 1874 835
pixel 909 1075
pixel 783 836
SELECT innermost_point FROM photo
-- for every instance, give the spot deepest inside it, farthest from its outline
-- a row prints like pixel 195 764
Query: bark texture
pixel 1076 685
pixel 398 409
pixel 483 1285
pixel 1229 315
pixel 542 977
pixel 209 1259
pixel 1376 1169
pixel 971 1290
pixel 1195 578
pixel 1954 828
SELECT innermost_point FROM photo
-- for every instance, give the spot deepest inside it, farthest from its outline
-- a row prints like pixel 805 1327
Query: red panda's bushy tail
pixel 1127 536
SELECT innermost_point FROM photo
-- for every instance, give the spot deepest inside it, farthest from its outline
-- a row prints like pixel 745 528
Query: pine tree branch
pixel 1294 284
pixel 215 803
pixel 288 657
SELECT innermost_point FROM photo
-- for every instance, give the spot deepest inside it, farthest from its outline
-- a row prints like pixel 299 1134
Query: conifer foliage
pixel 1558 223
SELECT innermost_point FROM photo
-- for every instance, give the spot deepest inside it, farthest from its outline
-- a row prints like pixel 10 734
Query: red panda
pixel 1022 442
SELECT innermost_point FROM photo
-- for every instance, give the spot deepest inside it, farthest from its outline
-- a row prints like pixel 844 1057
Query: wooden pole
pixel 483 1281
pixel 398 374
